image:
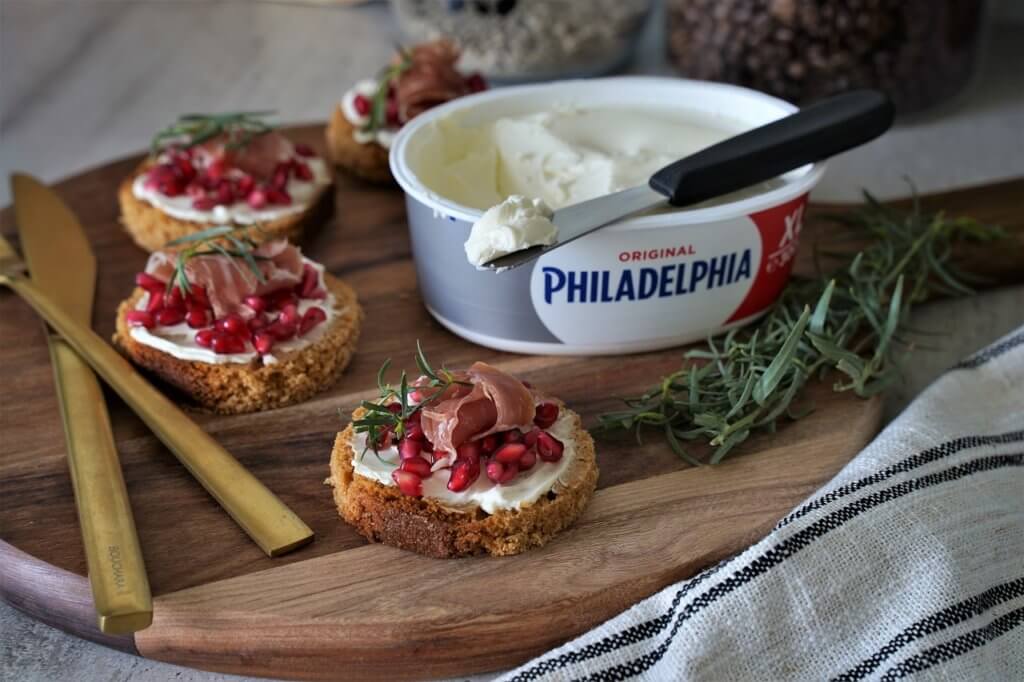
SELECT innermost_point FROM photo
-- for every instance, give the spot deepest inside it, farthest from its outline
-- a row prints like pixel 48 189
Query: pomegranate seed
pixel 280 331
pixel 394 408
pixel 257 303
pixel 469 450
pixel 416 465
pixel 184 167
pixel 290 314
pixel 263 342
pixel 409 483
pixel 172 189
pixel 312 318
pixel 530 438
pixel 195 190
pixel 257 198
pixel 149 282
pixel 232 324
pixel 278 196
pixel 546 415
pixel 489 444
pixel 198 295
pixel 408 448
pixel 225 343
pixel 279 180
pixel 512 436
pixel 204 203
pixel 224 195
pixel 362 105
pixel 280 298
pixel 464 474
pixel 549 448
pixel 310 280
pixel 303 172
pixel 245 185
pixel 413 431
pixel 155 302
pixel 304 150
pixel 204 338
pixel 258 322
pixel 528 459
pixel 509 453
pixel 392 112
pixel 174 298
pixel 197 318
pixel 501 473
pixel 139 318
pixel 168 317
pixel 217 168
pixel 476 83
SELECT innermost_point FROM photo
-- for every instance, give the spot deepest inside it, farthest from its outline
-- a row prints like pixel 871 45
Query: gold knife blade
pixel 62 265
pixel 260 513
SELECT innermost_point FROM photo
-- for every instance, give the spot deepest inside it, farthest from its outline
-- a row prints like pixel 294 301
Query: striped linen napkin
pixel 908 564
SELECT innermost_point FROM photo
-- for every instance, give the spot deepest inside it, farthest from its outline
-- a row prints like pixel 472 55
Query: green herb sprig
pixel 387 76
pixel 850 323
pixel 379 419
pixel 235 244
pixel 189 130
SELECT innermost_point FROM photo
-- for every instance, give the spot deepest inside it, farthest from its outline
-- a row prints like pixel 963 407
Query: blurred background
pixel 85 81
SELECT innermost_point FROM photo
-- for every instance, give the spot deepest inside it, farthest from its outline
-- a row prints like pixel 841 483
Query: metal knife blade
pixel 583 218
pixel 55 247
pixel 62 265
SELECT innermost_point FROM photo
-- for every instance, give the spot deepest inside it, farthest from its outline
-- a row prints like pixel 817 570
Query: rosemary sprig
pixel 189 130
pixel 381 420
pixel 208 242
pixel 387 75
pixel 850 323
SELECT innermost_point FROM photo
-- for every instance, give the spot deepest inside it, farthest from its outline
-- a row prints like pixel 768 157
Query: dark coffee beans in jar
pixel 919 51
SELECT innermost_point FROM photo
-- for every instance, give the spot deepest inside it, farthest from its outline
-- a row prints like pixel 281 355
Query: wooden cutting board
pixel 341 607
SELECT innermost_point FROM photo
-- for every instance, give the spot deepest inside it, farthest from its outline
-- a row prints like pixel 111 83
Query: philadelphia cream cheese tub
pixel 655 280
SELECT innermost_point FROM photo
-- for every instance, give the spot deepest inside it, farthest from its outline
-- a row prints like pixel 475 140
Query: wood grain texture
pixel 380 613
pixel 222 605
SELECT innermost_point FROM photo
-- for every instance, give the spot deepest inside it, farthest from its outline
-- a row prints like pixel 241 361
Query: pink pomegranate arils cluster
pixel 217 183
pixel 500 456
pixel 272 318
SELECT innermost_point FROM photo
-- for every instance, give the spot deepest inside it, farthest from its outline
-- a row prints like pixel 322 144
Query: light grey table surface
pixel 85 81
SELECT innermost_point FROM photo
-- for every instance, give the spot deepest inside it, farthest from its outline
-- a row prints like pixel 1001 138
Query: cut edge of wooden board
pixel 32 586
pixel 335 625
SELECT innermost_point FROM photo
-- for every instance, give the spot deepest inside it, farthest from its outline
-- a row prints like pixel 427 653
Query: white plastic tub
pixel 645 283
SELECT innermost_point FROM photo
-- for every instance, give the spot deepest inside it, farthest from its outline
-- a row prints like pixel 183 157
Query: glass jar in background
pixel 918 51
pixel 517 40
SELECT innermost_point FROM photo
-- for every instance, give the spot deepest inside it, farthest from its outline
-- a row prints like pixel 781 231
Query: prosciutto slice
pixel 229 280
pixel 258 157
pixel 496 402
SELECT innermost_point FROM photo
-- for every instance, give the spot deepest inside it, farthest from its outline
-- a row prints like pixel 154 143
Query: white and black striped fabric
pixel 908 564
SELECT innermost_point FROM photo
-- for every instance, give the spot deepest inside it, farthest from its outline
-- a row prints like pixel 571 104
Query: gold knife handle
pixel 117 573
pixel 267 520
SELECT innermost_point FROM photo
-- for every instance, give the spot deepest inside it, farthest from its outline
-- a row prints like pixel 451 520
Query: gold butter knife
pixel 63 266
pixel 267 520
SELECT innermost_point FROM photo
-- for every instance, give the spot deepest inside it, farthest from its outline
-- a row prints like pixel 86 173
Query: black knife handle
pixel 814 133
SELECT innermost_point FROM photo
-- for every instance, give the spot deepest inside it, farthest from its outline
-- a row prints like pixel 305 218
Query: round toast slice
pixel 381 513
pixel 236 388
pixel 151 228
pixel 368 161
